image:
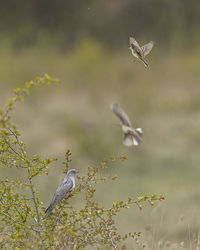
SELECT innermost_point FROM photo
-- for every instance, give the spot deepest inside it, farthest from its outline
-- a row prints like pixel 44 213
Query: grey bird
pixel 64 190
pixel 132 136
pixel 140 52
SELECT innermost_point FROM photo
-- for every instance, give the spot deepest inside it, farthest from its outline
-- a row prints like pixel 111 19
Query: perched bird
pixel 140 52
pixel 63 190
pixel 132 136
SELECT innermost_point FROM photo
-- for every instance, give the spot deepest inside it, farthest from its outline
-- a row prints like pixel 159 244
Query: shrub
pixel 22 211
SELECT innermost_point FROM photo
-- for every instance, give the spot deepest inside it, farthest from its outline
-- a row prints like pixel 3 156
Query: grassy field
pixel 163 100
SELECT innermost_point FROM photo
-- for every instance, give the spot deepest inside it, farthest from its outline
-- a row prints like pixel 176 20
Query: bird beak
pixel 129 47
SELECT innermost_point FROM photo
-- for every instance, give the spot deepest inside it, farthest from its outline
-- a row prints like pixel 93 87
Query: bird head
pixel 72 172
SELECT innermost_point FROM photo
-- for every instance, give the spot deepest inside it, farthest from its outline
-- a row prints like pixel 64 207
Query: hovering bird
pixel 64 190
pixel 132 136
pixel 140 52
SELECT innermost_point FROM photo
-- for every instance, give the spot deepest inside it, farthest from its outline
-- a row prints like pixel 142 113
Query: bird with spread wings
pixel 140 52
pixel 132 136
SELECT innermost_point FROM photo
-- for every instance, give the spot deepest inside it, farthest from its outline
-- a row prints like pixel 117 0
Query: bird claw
pixel 70 194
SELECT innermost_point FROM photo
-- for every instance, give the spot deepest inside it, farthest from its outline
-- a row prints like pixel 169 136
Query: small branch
pixel 8 216
pixel 15 151
pixel 34 198
pixel 29 172
pixel 12 164
pixel 18 142
pixel 113 244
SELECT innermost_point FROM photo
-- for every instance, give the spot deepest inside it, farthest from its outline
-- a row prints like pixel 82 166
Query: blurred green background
pixel 85 45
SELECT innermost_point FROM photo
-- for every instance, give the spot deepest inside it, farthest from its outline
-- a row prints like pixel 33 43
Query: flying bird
pixel 64 190
pixel 140 52
pixel 132 136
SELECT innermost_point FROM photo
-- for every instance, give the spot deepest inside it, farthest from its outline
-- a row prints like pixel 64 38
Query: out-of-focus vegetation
pixel 67 22
pixel 85 44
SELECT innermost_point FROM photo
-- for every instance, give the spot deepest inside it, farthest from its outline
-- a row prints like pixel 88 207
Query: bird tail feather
pixel 48 212
pixel 145 63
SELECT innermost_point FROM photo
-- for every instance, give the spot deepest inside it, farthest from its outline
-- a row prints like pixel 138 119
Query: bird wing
pixel 133 42
pixel 147 48
pixel 131 140
pixel 139 131
pixel 119 112
pixel 64 188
